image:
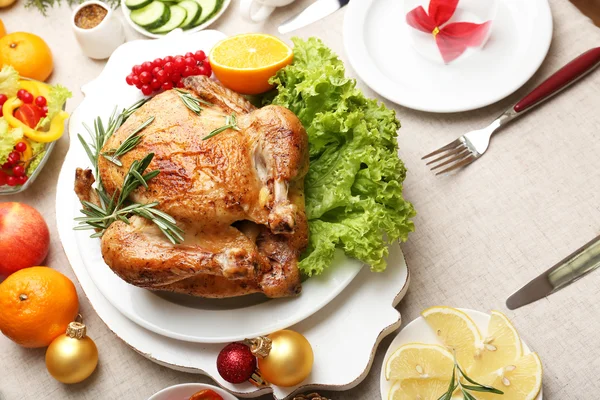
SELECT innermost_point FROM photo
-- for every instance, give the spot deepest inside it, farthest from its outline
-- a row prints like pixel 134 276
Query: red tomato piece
pixel 29 114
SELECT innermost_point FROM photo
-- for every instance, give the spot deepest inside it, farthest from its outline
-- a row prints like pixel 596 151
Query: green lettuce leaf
pixel 8 138
pixel 9 81
pixel 35 162
pixel 57 98
pixel 38 150
pixel 353 188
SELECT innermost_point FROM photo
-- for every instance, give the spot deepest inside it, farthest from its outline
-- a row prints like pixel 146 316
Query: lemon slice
pixel 455 330
pixel 501 347
pixel 521 380
pixel 420 361
pixel 422 389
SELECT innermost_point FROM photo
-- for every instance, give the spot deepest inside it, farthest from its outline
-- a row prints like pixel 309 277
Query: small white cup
pixel 100 41
pixel 259 10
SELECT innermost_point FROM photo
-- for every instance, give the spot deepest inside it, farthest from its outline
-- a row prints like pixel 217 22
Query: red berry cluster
pixel 27 98
pixel 166 73
pixel 13 171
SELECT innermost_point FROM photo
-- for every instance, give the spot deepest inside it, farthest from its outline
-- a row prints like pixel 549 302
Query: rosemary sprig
pixel 128 144
pixel 100 217
pixel 230 123
pixel 100 134
pixel 43 5
pixel 192 102
pixel 455 382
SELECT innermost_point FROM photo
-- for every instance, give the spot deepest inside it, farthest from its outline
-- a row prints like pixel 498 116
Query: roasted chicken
pixel 238 196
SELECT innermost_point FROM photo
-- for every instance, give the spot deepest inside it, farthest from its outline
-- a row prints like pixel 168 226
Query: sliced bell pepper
pixel 28 153
pixel 206 394
pixel 35 88
pixel 57 125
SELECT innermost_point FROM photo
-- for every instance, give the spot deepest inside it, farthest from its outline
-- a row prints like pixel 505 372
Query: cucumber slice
pixel 209 8
pixel 193 13
pixel 152 16
pixel 136 4
pixel 178 15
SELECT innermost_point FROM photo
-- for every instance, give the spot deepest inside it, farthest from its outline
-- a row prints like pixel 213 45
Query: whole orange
pixel 36 306
pixel 28 54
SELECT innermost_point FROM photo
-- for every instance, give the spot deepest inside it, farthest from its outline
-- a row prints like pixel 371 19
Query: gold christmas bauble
pixel 289 361
pixel 72 357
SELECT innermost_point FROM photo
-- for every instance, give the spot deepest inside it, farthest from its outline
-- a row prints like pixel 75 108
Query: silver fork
pixel 470 146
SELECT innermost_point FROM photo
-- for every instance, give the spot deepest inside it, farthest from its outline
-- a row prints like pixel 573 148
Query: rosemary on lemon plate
pixel 455 382
pixel 230 123
pixel 116 208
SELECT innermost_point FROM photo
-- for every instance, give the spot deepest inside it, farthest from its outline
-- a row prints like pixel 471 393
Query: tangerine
pixel 28 54
pixel 37 304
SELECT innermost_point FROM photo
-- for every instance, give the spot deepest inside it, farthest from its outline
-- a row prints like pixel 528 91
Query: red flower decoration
pixel 452 39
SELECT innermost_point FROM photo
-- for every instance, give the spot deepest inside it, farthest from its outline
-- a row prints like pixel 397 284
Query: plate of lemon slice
pixel 481 354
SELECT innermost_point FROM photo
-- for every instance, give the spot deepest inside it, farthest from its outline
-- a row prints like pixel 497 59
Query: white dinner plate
pixel 378 45
pixel 419 331
pixel 179 316
pixel 204 25
pixel 184 391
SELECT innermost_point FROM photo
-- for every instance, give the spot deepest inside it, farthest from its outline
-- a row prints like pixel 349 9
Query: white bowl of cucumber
pixel 156 18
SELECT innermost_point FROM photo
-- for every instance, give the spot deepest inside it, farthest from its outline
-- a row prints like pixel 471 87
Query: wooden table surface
pixel 480 234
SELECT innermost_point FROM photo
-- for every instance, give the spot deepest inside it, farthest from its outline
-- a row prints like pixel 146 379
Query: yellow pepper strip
pixel 57 125
pixel 35 88
pixel 28 153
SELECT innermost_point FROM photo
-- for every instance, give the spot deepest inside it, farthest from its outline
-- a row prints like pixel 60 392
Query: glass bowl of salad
pixel 32 118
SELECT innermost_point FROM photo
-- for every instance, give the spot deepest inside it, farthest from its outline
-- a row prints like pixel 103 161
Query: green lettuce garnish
pixel 56 100
pixel 353 188
pixel 38 150
pixel 33 164
pixel 9 81
pixel 8 138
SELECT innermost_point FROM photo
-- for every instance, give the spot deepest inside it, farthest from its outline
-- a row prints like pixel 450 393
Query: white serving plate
pixel 184 391
pixel 419 331
pixel 178 316
pixel 127 14
pixel 378 45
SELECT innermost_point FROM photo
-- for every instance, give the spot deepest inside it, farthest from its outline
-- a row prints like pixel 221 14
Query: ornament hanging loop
pixel 76 330
pixel 312 396
pixel 260 346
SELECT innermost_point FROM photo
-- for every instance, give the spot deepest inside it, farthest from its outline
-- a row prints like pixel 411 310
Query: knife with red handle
pixel 561 79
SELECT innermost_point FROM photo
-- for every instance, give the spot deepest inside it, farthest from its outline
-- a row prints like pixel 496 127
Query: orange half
pixel 245 63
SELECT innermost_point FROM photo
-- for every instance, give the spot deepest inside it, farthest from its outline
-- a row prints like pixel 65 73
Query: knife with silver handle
pixel 581 262
pixel 315 12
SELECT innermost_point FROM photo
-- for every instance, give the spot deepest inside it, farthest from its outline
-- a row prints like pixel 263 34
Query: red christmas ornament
pixel 236 363
pixel 452 39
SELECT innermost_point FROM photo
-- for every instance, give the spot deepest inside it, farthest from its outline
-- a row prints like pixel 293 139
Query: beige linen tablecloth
pixel 480 234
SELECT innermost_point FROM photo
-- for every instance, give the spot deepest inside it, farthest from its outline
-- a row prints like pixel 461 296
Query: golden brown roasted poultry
pixel 238 196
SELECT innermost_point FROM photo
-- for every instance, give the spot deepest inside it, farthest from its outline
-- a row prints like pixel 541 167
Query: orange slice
pixel 245 63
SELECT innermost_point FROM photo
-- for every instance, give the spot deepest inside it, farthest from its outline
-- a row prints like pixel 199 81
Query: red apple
pixel 24 238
